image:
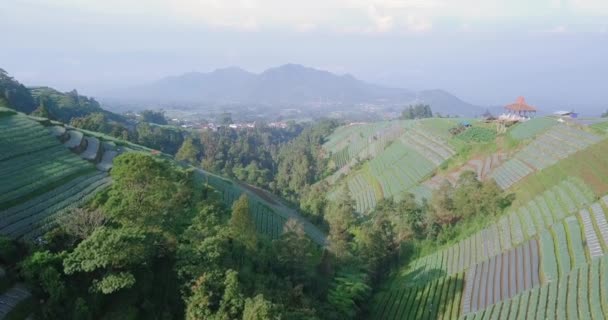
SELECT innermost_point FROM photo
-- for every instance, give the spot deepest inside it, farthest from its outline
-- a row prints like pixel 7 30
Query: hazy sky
pixel 555 52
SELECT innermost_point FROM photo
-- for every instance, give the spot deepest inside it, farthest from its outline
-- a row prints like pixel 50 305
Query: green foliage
pixel 340 218
pixel 418 111
pixel 65 106
pixel 347 292
pixel 15 95
pixel 109 248
pixel 157 117
pixel 301 162
pixel 101 122
pixel 187 152
pixel 605 114
pixel 259 308
pixel 165 139
pixel 114 282
pixel 242 224
pixel 477 134
pixel 147 192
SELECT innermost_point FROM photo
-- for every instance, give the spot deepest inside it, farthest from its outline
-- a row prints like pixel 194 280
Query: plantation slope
pixel 565 254
pixel 589 165
pixel 41 178
pixel 394 161
pixel 580 294
pixel 531 128
pixel 547 149
pixel 512 229
pixel 268 211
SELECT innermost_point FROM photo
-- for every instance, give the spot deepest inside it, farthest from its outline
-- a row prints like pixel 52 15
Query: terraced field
pixel 399 167
pixel 531 128
pixel 514 277
pixel 555 144
pixel 580 294
pixel 514 228
pixel 42 179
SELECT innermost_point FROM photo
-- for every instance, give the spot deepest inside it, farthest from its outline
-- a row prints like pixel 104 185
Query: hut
pixel 520 108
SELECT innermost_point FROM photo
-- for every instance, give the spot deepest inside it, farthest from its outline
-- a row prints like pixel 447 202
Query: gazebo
pixel 520 108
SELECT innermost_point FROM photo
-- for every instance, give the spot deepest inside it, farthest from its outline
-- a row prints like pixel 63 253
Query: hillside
pixel 41 191
pixel 544 257
pixel 289 85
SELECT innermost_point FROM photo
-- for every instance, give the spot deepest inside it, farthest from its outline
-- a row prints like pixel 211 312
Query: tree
pixel 605 114
pixel 157 117
pixel 241 223
pixel 441 207
pixel 259 308
pixel 348 290
pixel 340 217
pixel 81 222
pixel 296 253
pixel 232 301
pixel 147 192
pixel 187 152
pixel 108 251
pixel 418 111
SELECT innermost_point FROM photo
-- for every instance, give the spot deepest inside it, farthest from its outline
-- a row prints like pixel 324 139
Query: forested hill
pixel 47 102
pixel 287 85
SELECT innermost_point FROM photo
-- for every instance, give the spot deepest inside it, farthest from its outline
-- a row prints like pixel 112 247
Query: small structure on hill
pixel 566 114
pixel 520 108
pixel 519 111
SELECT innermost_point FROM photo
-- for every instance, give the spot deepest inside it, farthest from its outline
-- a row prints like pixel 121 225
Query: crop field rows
pixel 574 243
pixel 20 136
pixel 555 144
pixel 531 128
pixel 502 277
pixel 580 294
pixel 440 299
pixel 512 229
pixel 432 148
pixel 395 171
pixel 40 222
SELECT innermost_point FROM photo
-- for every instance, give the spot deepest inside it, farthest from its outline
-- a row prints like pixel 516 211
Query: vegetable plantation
pixel 399 168
pixel 531 128
pixel 41 178
pixel 555 144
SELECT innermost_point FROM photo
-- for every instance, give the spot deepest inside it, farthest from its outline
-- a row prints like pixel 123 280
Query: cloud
pixel 350 16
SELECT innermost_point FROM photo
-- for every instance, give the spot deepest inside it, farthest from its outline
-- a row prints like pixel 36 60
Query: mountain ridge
pixel 286 85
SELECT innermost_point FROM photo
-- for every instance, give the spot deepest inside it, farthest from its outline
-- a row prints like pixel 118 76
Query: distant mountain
pixel 288 85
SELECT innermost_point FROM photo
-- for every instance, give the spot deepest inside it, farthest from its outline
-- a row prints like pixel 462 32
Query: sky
pixel 486 52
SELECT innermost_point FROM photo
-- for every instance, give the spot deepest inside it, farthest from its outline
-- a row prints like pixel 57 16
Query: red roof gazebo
pixel 520 107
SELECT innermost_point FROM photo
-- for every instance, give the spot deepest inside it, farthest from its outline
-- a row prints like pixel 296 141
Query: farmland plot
pixel 579 294
pixel 555 144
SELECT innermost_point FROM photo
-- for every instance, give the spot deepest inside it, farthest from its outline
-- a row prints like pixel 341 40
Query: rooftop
pixel 520 105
